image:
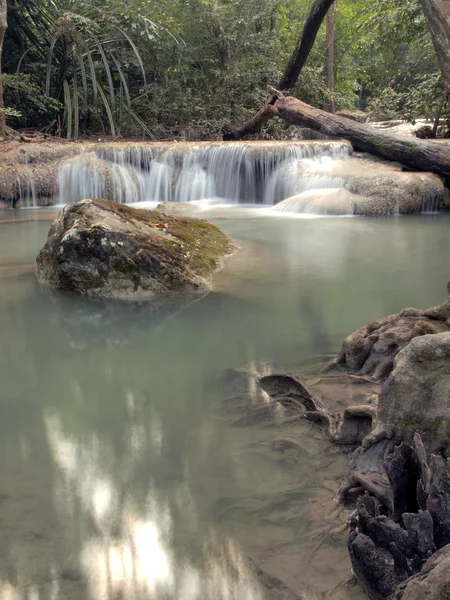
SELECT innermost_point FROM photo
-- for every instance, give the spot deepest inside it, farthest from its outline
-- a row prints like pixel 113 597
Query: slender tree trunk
pixel 437 14
pixel 330 58
pixel 437 118
pixel 3 26
pixel 305 43
pixel 223 48
pixel 298 59
pixel 274 17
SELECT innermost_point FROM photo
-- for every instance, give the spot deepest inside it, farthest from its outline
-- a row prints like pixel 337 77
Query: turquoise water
pixel 126 471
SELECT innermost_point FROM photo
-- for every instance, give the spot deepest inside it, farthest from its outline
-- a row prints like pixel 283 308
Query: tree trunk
pixel 223 49
pixel 305 43
pixel 298 59
pixel 437 14
pixel 3 26
pixel 274 17
pixel 421 156
pixel 330 58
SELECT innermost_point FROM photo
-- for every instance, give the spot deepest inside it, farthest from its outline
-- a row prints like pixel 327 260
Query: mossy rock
pixel 103 249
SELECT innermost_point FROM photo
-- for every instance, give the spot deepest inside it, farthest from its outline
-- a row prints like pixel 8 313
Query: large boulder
pixel 371 350
pixel 103 249
pixel 379 187
pixel 416 397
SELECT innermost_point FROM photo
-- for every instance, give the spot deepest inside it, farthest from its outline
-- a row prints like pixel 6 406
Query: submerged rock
pixel 103 249
pixel 177 208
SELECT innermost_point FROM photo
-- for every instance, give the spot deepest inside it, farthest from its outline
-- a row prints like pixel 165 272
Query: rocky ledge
pixel 398 478
pixel 103 249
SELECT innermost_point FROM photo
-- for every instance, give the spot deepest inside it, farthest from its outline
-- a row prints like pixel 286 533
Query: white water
pixel 27 187
pixel 179 172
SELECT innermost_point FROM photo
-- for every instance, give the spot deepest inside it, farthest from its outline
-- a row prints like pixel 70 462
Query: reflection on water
pixel 131 555
pixel 140 461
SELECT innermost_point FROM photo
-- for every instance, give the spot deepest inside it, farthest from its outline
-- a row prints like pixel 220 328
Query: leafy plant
pixel 27 105
pixel 86 44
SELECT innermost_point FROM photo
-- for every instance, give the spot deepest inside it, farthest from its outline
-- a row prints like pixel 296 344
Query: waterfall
pixel 88 176
pixel 231 172
pixel 27 187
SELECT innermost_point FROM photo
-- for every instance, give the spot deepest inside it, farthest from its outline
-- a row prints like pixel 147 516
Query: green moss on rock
pixel 104 249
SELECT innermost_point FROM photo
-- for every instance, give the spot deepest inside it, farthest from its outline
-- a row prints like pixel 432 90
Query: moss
pixel 188 241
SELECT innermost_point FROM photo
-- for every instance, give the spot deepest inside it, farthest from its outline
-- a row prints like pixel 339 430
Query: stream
pixel 128 473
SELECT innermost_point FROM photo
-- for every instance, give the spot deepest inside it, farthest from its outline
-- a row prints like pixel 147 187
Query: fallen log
pixel 419 155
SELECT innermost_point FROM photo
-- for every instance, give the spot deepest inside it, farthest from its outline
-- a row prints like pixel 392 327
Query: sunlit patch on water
pixel 132 556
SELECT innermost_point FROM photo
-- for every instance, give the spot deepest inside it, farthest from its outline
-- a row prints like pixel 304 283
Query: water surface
pixel 126 471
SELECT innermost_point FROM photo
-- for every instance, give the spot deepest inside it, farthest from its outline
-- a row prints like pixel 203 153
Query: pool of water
pixel 125 470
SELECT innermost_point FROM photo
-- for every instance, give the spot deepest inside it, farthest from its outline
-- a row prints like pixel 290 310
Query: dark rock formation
pixel 103 249
pixel 403 491
pixel 390 541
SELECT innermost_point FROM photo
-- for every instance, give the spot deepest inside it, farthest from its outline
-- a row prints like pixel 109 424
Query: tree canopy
pixel 167 68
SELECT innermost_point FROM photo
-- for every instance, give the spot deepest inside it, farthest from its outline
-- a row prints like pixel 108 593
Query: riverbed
pixel 128 472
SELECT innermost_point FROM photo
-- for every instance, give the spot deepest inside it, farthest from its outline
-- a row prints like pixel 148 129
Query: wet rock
pixel 327 201
pixel 433 581
pixel 424 133
pixel 379 187
pixel 416 397
pixel 390 541
pixel 371 350
pixel 384 189
pixel 103 249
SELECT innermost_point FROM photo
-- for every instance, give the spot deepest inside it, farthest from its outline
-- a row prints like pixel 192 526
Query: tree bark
pixel 3 26
pixel 298 59
pixel 223 49
pixel 437 14
pixel 421 156
pixel 305 43
pixel 330 58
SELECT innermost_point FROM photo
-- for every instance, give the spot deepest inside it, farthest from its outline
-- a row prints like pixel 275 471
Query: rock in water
pixel 390 542
pixel 371 350
pixel 416 397
pixel 103 249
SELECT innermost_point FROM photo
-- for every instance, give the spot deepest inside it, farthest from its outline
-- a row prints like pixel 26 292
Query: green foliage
pixel 27 105
pixel 184 67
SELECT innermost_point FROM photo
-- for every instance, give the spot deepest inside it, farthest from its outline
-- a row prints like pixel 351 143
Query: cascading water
pixel 263 173
pixel 27 187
